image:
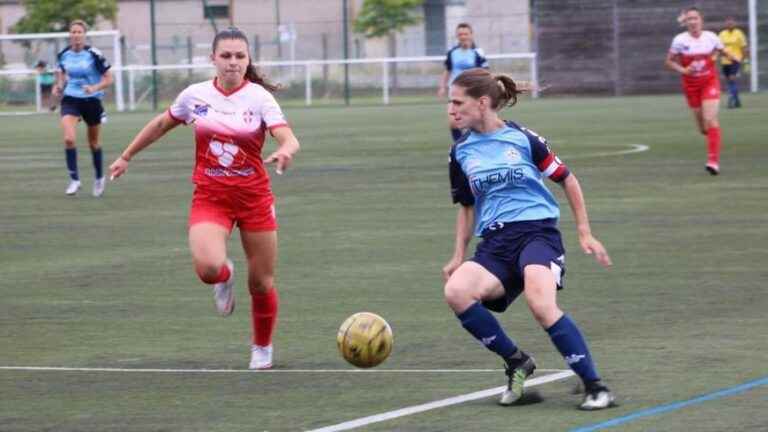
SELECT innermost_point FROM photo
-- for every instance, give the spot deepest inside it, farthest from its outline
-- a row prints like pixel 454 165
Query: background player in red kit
pixel 692 55
pixel 230 115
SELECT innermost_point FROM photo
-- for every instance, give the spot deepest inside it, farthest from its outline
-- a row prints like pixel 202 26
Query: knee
pixel 208 273
pixel 545 313
pixel 711 123
pixel 69 142
pixel 259 284
pixel 458 297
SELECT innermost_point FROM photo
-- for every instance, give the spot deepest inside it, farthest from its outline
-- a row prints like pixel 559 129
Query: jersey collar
pixel 228 92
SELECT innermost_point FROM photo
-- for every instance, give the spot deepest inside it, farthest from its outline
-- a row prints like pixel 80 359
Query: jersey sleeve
pixel 545 159
pixel 677 46
pixel 448 62
pixel 460 191
pixel 480 60
pixel 271 113
pixel 99 61
pixel 60 60
pixel 179 109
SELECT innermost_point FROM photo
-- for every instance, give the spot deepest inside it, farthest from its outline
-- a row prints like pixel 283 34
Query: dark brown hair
pixel 478 82
pixel 464 25
pixel 251 73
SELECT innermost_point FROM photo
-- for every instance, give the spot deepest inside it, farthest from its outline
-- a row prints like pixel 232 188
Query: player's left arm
pixel 106 81
pixel 552 167
pixel 589 244
pixel 287 147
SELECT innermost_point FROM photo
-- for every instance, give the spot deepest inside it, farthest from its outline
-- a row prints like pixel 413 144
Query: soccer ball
pixel 365 339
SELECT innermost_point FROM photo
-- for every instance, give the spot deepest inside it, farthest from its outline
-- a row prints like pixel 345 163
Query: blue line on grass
pixel 674 406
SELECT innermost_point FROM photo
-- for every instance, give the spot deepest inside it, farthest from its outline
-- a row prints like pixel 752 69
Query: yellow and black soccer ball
pixel 365 339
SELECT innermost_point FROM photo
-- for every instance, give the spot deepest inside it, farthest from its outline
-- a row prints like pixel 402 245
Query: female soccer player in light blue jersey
pixel 497 172
pixel 82 75
pixel 465 55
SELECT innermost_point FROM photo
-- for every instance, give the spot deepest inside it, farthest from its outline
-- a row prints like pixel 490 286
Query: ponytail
pixel 502 89
pixel 253 75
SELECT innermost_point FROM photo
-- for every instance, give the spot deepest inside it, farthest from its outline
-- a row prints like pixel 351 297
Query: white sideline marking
pixel 438 404
pixel 636 148
pixel 102 369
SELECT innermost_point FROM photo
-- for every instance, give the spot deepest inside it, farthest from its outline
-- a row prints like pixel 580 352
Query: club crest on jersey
pixel 248 116
pixel 200 110
pixel 512 155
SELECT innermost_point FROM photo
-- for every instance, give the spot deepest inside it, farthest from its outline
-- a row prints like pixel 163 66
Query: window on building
pixel 434 26
pixel 216 11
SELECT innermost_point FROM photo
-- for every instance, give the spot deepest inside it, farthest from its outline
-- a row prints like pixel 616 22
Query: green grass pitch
pixel 366 224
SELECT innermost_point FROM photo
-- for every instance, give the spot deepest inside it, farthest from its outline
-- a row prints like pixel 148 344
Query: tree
pixel 380 18
pixel 55 15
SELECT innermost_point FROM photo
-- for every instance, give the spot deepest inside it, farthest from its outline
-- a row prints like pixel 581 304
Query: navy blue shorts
pixel 507 248
pixel 732 69
pixel 90 109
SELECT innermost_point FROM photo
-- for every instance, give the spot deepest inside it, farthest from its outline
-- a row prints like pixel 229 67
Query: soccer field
pixel 106 285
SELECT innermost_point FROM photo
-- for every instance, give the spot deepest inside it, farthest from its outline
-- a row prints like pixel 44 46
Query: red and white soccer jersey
pixel 697 54
pixel 230 130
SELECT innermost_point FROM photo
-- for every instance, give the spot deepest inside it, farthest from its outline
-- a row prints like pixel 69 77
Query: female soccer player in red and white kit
pixel 692 55
pixel 230 115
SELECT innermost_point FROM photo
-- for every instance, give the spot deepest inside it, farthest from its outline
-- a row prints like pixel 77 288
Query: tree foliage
pixel 55 15
pixel 382 17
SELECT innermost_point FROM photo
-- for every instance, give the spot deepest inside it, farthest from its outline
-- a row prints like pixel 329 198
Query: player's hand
pixel 56 91
pixel 88 89
pixel 281 160
pixel 592 246
pixel 451 267
pixel 118 168
pixel 687 70
pixel 441 92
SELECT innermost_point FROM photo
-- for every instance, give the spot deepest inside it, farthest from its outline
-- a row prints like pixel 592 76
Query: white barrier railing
pixel 308 66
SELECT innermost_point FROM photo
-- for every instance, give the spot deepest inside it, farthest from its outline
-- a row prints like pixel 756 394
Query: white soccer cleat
pixel 98 186
pixel 73 187
pixel 261 357
pixel 597 399
pixel 224 293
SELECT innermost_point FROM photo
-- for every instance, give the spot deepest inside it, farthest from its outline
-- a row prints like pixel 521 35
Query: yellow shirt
pixel 735 41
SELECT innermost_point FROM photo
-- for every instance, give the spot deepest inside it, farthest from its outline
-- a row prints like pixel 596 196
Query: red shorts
pixel 251 212
pixel 696 93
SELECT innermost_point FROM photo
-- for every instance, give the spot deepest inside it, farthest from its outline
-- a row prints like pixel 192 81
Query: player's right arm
pixel 58 86
pixel 154 130
pixel 461 193
pixel 673 62
pixel 465 221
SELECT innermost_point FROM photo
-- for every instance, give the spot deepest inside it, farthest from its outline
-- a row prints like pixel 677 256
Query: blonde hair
pixel 80 23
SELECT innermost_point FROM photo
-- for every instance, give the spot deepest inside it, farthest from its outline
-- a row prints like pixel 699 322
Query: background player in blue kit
pixel 497 170
pixel 461 57
pixel 82 75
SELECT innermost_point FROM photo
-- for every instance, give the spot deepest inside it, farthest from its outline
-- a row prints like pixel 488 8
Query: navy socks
pixel 481 324
pixel 573 347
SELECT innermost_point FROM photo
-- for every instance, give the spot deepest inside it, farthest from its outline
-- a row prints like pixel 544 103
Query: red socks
pixel 713 145
pixel 264 315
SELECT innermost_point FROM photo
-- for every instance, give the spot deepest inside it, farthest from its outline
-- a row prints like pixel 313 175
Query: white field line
pixel 364 421
pixel 308 371
pixel 635 148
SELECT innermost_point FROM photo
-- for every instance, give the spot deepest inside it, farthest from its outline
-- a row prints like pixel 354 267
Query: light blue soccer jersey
pixel 502 175
pixel 460 59
pixel 85 67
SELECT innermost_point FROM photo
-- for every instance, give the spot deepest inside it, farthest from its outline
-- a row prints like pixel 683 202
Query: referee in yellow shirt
pixel 736 44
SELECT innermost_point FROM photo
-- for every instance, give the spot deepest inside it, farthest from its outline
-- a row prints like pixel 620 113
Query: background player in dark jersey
pixel 82 75
pixel 497 170
pixel 465 55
